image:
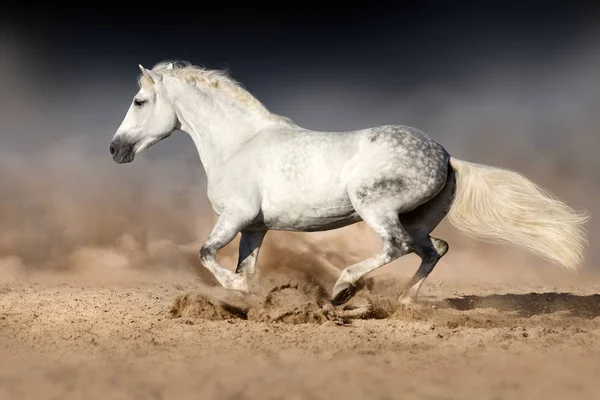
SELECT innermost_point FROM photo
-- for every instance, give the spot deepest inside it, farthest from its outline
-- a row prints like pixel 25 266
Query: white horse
pixel 265 172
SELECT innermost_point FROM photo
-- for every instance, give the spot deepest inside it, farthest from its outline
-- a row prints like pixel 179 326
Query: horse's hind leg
pixel 396 243
pixel 420 222
pixel 431 250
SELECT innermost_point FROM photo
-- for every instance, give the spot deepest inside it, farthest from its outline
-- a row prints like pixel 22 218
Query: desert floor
pixel 481 332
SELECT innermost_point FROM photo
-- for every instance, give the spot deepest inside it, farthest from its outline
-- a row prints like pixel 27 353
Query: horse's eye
pixel 139 103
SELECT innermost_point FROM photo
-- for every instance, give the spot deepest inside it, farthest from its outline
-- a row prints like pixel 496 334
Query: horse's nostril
pixel 113 149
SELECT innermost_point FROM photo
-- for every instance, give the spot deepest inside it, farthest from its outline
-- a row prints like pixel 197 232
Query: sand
pixel 477 333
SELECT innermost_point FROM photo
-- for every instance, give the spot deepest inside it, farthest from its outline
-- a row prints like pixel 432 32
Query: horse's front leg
pixel 248 253
pixel 225 230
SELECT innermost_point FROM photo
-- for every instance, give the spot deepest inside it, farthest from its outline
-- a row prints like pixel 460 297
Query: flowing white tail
pixel 502 206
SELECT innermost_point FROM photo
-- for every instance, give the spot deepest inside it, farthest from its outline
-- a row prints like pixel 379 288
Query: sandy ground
pixel 123 334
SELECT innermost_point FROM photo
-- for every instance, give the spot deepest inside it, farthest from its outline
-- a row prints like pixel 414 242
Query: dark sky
pixel 427 40
pixel 389 48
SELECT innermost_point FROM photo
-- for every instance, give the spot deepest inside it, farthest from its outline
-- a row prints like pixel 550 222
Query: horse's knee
pixel 207 253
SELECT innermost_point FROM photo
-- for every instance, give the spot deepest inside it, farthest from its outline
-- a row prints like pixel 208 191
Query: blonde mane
pixel 193 74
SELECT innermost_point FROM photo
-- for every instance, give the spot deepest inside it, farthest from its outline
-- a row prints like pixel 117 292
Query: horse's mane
pixel 216 78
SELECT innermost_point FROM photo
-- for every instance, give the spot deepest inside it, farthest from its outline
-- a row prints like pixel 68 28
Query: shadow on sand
pixel 530 304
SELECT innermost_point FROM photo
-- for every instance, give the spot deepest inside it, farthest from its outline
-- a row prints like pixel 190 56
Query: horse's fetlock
pixel 441 247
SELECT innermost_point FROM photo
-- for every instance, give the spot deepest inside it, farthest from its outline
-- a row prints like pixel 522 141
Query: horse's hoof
pixel 342 293
pixel 409 303
pixel 405 299
pixel 240 285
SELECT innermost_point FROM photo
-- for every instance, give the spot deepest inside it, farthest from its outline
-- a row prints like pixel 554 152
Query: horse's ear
pixel 153 76
pixel 170 65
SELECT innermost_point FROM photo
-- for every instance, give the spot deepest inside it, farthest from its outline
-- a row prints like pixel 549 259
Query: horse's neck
pixel 218 124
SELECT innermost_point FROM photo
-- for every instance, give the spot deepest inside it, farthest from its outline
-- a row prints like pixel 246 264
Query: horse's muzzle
pixel 121 152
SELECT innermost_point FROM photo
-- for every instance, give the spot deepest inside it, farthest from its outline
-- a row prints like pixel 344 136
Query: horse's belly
pixel 308 212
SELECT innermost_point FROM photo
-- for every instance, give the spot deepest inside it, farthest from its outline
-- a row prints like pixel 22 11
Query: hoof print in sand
pixel 291 305
pixel 206 307
pixel 367 306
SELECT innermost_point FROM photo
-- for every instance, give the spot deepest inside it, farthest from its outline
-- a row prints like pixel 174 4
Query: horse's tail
pixel 502 206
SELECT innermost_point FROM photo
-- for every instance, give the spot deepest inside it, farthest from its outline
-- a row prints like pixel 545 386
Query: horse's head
pixel 150 118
